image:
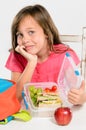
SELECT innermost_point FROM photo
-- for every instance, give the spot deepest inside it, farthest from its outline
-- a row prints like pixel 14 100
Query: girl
pixel 37 52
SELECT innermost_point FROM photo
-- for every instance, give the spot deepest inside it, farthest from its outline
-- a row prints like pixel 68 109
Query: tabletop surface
pixel 78 122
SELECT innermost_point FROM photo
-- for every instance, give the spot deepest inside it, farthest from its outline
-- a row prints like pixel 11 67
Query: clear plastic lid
pixel 69 76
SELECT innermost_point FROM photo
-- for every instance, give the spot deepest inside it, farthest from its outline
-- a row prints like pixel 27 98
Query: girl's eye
pixel 31 32
pixel 19 35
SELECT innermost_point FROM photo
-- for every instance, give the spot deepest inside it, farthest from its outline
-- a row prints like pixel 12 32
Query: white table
pixel 78 122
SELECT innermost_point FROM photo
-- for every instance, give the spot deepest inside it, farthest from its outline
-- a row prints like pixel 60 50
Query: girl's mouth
pixel 29 47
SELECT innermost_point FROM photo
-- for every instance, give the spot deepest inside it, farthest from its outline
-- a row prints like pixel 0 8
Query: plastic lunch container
pixel 36 111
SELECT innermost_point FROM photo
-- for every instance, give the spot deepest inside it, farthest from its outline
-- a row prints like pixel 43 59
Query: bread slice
pixel 49 100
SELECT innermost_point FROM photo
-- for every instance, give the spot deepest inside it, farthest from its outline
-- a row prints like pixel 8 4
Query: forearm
pixel 27 73
pixel 25 77
pixel 85 94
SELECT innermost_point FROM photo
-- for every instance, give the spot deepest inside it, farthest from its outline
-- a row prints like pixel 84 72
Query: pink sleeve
pixel 75 57
pixel 62 48
pixel 15 62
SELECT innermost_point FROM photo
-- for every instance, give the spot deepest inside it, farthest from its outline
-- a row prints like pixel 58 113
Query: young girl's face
pixel 31 35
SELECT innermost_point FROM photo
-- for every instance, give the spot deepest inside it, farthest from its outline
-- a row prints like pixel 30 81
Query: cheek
pixel 40 41
pixel 19 42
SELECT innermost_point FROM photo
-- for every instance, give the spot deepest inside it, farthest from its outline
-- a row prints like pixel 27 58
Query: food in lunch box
pixel 48 97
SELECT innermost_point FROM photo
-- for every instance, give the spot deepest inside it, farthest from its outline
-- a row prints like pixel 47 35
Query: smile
pixel 29 47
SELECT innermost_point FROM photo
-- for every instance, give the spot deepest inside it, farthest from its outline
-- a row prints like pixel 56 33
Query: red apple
pixel 63 115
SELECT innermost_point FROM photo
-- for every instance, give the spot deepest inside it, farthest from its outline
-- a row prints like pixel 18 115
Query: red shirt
pixel 46 71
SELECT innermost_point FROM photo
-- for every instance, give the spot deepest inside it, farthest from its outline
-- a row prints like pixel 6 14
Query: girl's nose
pixel 25 40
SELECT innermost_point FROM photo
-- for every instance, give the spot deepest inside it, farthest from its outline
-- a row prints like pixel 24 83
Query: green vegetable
pixel 34 92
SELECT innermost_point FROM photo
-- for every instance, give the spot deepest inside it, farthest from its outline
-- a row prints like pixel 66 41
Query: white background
pixel 68 15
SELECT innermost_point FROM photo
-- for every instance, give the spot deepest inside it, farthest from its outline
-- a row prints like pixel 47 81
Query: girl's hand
pixel 28 56
pixel 77 96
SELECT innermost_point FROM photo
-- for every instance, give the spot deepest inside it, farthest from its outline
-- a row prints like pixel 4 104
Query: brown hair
pixel 41 15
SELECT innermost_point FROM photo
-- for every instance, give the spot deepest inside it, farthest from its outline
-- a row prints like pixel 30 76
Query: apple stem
pixel 61 104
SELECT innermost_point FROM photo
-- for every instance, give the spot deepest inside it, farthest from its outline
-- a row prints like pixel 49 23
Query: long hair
pixel 42 17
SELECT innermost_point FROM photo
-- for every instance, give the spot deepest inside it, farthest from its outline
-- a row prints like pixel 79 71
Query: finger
pixel 17 49
pixel 73 95
pixel 82 85
pixel 73 99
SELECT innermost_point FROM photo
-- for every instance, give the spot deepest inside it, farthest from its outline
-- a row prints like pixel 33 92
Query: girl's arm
pixel 77 96
pixel 22 78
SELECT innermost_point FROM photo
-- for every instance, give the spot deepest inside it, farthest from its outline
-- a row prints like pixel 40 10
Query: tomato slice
pixel 54 88
pixel 47 90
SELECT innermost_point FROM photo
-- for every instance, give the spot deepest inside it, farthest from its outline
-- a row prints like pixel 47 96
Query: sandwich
pixel 50 99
